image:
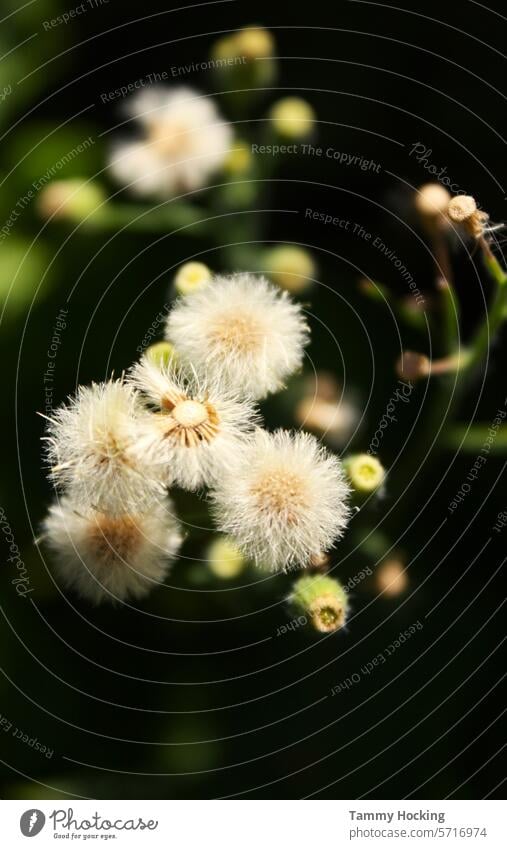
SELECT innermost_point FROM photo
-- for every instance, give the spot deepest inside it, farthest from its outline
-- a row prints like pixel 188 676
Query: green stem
pixel 473 439
pixel 178 216
pixel 496 312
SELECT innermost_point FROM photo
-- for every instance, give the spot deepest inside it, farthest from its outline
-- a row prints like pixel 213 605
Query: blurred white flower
pixel 92 449
pixel 240 329
pixel 184 141
pixel 111 558
pixel 283 501
pixel 199 427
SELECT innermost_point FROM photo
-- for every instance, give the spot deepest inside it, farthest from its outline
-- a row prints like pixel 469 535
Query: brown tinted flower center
pixel 327 614
pixel 240 334
pixel 282 493
pixel 113 539
pixel 169 139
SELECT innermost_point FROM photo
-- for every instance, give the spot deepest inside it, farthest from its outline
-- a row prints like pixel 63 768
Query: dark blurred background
pixel 192 694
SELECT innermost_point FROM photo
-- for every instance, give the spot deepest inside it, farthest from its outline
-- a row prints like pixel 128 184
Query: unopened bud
pixel 432 201
pixel 161 354
pixel 412 366
pixel 292 117
pixel 239 159
pixel 254 43
pixel 290 266
pixel 365 472
pixel 191 276
pixel 224 559
pixel 322 599
pixel 392 578
pixel 246 57
pixel 72 199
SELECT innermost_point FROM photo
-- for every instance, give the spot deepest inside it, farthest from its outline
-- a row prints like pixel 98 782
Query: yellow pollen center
pixel 190 413
pixel 367 472
pixel 327 614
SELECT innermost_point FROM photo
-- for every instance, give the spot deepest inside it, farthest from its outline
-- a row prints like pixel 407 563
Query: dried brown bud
pixel 463 210
pixel 392 578
pixel 412 366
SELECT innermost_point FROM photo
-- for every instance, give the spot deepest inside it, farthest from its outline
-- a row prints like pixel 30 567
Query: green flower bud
pixel 236 57
pixel 322 599
pixel 239 159
pixel 289 266
pixel 364 471
pixel 191 276
pixel 72 199
pixel 161 354
pixel 292 117
pixel 224 558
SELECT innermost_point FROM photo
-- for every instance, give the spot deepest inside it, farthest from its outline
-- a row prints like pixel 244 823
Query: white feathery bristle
pixel 93 450
pixel 284 501
pixel 111 558
pixel 185 140
pixel 242 330
pixel 199 428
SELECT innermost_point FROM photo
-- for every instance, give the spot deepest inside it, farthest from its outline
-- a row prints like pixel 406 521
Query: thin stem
pixel 496 312
pixel 473 439
pixel 179 216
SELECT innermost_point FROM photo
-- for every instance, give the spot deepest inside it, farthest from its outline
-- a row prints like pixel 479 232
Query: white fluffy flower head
pixel 92 449
pixel 284 501
pixel 241 330
pixel 184 141
pixel 198 427
pixel 111 558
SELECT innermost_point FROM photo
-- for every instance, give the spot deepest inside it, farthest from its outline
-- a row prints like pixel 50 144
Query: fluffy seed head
pixel 111 558
pixel 283 501
pixel 461 207
pixel 93 449
pixel 198 427
pixel 185 141
pixel 365 472
pixel 323 599
pixel 240 330
pixel 191 276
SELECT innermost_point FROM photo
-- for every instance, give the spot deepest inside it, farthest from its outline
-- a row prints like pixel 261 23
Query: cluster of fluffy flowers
pixel 117 447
